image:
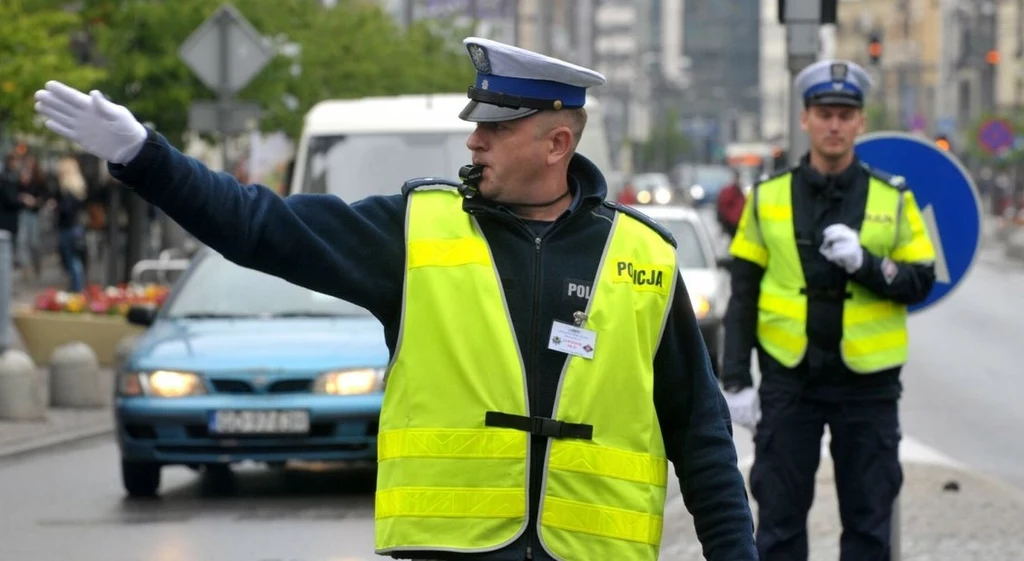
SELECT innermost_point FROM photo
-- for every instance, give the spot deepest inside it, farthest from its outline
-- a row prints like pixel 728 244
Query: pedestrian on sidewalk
pixel 33 193
pixel 729 206
pixel 10 205
pixel 521 420
pixel 828 255
pixel 68 206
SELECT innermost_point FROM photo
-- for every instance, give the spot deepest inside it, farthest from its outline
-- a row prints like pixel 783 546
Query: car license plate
pixel 261 421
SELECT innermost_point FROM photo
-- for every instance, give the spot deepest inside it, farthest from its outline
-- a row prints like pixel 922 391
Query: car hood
pixel 266 344
pixel 705 282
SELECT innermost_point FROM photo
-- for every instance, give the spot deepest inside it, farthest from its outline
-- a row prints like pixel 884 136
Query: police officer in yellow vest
pixel 546 362
pixel 828 256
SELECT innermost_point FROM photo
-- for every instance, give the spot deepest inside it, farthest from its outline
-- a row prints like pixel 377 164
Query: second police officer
pixel 828 255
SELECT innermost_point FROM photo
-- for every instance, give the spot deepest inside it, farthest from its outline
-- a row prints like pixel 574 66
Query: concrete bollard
pixel 75 377
pixel 22 388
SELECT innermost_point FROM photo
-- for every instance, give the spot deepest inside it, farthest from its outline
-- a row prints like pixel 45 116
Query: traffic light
pixel 875 48
pixel 828 11
pixel 942 142
pixel 992 57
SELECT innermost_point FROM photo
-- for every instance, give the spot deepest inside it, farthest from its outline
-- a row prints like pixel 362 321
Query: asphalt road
pixel 68 504
pixel 964 385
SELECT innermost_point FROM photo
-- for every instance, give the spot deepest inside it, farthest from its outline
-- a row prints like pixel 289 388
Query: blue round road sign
pixel 946 195
pixel 996 135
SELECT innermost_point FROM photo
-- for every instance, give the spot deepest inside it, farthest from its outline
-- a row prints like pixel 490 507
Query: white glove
pixel 842 247
pixel 744 407
pixel 103 129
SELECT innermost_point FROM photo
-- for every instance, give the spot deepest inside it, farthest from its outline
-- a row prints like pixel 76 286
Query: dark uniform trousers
pixel 865 435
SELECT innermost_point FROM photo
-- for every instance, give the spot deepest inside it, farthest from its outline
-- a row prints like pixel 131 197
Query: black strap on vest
pixel 540 426
pixel 829 294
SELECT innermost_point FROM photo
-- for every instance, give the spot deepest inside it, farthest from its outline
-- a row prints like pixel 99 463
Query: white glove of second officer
pixel 842 247
pixel 744 407
pixel 102 128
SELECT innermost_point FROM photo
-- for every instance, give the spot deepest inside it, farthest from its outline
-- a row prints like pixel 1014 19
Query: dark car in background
pixel 700 184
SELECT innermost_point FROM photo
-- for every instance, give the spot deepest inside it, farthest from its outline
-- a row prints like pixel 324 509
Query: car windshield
pixel 218 288
pixel 713 178
pixel 356 166
pixel 689 246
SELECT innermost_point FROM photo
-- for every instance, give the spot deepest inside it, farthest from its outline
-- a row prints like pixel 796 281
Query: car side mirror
pixel 141 315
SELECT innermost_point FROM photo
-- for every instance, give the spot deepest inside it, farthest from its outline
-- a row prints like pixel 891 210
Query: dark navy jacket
pixel 356 252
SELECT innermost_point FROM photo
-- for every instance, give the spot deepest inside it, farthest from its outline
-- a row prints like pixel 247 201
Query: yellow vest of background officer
pixel 450 479
pixel 874 329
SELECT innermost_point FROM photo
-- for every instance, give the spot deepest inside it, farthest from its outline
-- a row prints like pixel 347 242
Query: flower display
pixel 95 299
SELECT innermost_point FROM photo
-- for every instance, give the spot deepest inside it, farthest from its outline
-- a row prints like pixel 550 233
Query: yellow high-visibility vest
pixel 452 475
pixel 874 328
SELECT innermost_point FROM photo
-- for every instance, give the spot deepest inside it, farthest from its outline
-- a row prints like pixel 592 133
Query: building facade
pixel 944 63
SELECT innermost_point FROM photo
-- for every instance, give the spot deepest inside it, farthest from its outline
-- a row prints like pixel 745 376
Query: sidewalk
pixel 62 425
pixel 1012 236
pixel 978 518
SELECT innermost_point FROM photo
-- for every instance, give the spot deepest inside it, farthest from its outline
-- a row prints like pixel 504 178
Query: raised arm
pixel 352 251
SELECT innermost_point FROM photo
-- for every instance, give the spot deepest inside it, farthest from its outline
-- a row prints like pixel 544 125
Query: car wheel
pixel 217 480
pixel 141 479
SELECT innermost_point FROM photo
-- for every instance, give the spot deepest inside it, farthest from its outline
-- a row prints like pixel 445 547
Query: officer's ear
pixel 803 119
pixel 560 143
pixel 862 122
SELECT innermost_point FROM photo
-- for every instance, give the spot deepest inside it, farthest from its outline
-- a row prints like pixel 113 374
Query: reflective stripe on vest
pixel 447 482
pixel 874 329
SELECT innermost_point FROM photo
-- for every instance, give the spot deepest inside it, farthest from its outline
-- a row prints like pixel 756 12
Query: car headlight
pixel 663 196
pixel 160 383
pixel 701 305
pixel 697 192
pixel 643 197
pixel 350 382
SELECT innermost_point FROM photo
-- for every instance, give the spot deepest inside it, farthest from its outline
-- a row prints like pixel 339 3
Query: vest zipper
pixel 533 325
pixel 532 407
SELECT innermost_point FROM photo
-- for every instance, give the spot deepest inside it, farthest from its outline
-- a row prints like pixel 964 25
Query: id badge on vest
pixel 572 340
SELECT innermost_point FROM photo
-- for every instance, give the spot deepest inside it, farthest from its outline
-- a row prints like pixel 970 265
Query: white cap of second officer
pixel 833 82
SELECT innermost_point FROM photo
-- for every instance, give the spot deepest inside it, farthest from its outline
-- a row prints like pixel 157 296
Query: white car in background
pixel 652 188
pixel 706 279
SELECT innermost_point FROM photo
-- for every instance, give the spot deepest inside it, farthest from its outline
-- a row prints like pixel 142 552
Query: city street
pixel 961 404
pixel 68 504
pixel 964 383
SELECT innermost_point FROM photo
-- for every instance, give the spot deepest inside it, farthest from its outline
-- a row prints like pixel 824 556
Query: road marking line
pixel 912 451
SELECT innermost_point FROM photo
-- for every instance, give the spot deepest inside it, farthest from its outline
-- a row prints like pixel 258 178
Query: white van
pixel 371 146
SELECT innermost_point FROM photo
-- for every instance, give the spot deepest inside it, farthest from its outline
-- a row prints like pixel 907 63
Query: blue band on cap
pixel 829 87
pixel 571 96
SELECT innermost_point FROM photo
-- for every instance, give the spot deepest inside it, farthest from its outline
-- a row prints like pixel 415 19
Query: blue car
pixel 241 366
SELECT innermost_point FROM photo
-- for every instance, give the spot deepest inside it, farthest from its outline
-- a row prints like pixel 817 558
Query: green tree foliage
pixel 878 119
pixel 665 147
pixel 351 50
pixel 34 47
pixel 973 151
